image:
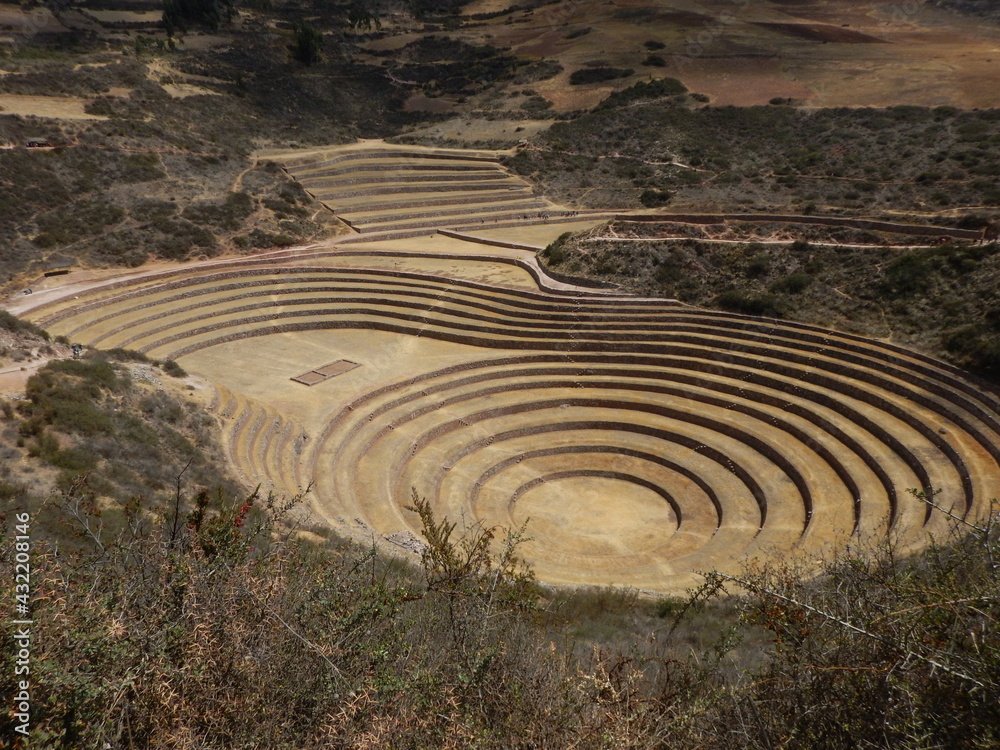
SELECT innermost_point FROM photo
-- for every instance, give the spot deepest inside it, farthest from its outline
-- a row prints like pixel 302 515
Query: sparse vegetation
pixel 769 158
pixel 238 623
pixel 91 417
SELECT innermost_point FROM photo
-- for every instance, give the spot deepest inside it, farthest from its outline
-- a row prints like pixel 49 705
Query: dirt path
pixel 14 378
pixel 237 185
pixel 754 241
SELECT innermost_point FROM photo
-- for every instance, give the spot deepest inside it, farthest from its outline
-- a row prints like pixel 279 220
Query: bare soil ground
pixel 57 107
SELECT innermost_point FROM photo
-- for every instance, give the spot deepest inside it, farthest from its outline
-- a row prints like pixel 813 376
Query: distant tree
pixel 179 14
pixel 654 197
pixel 360 15
pixel 308 43
pixel 991 232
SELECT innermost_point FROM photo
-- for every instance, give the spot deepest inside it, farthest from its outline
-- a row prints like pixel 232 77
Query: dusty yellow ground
pixel 264 370
pixel 60 107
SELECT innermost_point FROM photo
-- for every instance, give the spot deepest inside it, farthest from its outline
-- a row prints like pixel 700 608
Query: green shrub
pixel 74 416
pixel 141 168
pixel 179 237
pixel 94 369
pixel 536 104
pixel 84 218
pixel 179 14
pixel 972 132
pixel 586 76
pixel 121 355
pixel 916 270
pixel 794 283
pixel 147 209
pixel 161 407
pixel 655 197
pixel 171 367
pixel 669 606
pixel 76 460
pixel 282 207
pixel 670 269
pixel 656 89
pixel 910 273
pixel 229 214
pixel 44 446
pixel 759 265
pixel 308 43
pixel 748 303
pixel 13 492
pixel 976 346
pixel 260 239
pixel 555 252
pixel 12 323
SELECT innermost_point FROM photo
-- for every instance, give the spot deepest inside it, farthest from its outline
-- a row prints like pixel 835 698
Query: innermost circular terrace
pixel 599 516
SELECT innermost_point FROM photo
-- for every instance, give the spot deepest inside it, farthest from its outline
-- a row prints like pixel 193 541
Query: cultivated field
pixel 641 441
pixel 820 53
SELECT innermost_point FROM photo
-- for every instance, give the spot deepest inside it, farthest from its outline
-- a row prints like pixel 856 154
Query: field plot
pixel 381 189
pixel 641 441
pixel 825 53
pixel 58 107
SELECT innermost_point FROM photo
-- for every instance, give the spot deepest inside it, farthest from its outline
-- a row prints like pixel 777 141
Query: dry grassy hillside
pixel 154 136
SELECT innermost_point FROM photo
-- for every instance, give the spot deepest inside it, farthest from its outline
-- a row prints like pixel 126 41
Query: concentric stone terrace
pixel 641 441
pixel 410 190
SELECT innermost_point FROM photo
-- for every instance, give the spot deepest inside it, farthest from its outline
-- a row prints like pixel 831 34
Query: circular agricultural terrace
pixel 641 441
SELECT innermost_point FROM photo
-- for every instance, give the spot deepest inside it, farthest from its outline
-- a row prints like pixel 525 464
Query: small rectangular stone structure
pixel 326 372
pixel 309 378
pixel 336 368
